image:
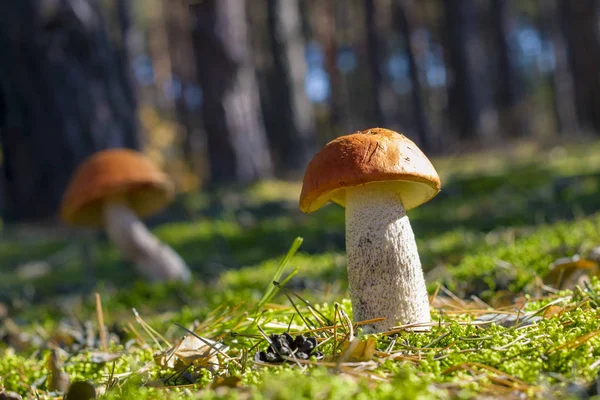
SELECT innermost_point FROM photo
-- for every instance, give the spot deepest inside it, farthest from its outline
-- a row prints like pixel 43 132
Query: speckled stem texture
pixel 384 269
pixel 153 259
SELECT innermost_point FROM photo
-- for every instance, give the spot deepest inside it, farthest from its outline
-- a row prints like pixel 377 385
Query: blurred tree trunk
pixel 378 22
pixel 124 19
pixel 181 53
pixel 509 84
pixel 318 29
pixel 304 10
pixel 281 66
pixel 66 94
pixel 341 27
pixel 324 17
pixel 402 15
pixel 377 55
pixel 470 104
pixel 352 60
pixel 561 79
pixel 236 140
pixel 579 20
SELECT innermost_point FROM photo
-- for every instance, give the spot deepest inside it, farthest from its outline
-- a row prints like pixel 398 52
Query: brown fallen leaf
pixel 363 351
pixel 502 298
pixel 191 350
pixel 552 311
pixel 230 382
pixel 568 272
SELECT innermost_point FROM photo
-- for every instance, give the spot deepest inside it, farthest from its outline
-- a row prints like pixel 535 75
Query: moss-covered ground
pixel 487 241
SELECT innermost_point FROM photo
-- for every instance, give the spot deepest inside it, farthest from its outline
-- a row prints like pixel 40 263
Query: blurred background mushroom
pixel 113 189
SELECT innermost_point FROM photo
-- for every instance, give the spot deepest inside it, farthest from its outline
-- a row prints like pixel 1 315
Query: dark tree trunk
pixel 236 140
pixel 340 97
pixel 341 25
pixel 561 79
pixel 66 94
pixel 377 54
pixel 579 20
pixel 304 10
pixel 401 14
pixel 469 99
pixel 289 116
pixel 357 85
pixel 181 54
pixel 509 85
pixel 123 64
pixel 320 27
pixel 325 18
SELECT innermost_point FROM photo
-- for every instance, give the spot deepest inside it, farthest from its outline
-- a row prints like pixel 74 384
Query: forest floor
pixel 487 242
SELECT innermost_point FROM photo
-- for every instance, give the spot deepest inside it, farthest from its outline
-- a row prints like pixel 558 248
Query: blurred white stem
pixel 154 259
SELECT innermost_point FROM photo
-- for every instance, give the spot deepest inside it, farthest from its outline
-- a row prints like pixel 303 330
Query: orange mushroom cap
pixel 120 174
pixel 373 155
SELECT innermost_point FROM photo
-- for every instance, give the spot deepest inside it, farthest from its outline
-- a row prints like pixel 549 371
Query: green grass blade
pixel 272 289
pixel 290 276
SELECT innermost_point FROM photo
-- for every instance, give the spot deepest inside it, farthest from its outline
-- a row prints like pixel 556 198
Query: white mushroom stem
pixel 384 269
pixel 153 259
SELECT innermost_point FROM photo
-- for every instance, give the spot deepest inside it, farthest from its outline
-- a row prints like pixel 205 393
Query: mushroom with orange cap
pixel 377 175
pixel 115 188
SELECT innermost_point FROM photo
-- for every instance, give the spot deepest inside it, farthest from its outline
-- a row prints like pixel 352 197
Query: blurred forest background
pixel 233 91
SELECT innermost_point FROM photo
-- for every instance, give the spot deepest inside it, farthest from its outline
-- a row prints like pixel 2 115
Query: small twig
pixel 111 377
pixel 435 293
pixel 139 337
pixel 575 343
pixel 453 296
pixel 100 317
pixel 305 320
pixel 335 314
pixel 507 345
pixel 346 319
pixel 474 339
pixel 310 307
pixel 437 339
pixel 290 324
pixel 150 331
pixel 481 303
pixel 369 321
pixel 324 341
pixel 390 347
pixel 210 345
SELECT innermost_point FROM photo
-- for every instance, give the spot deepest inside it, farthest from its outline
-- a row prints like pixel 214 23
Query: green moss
pixel 524 258
pixel 495 226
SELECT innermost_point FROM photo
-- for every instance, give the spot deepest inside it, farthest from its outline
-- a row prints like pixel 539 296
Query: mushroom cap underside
pixel 121 174
pixel 372 156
